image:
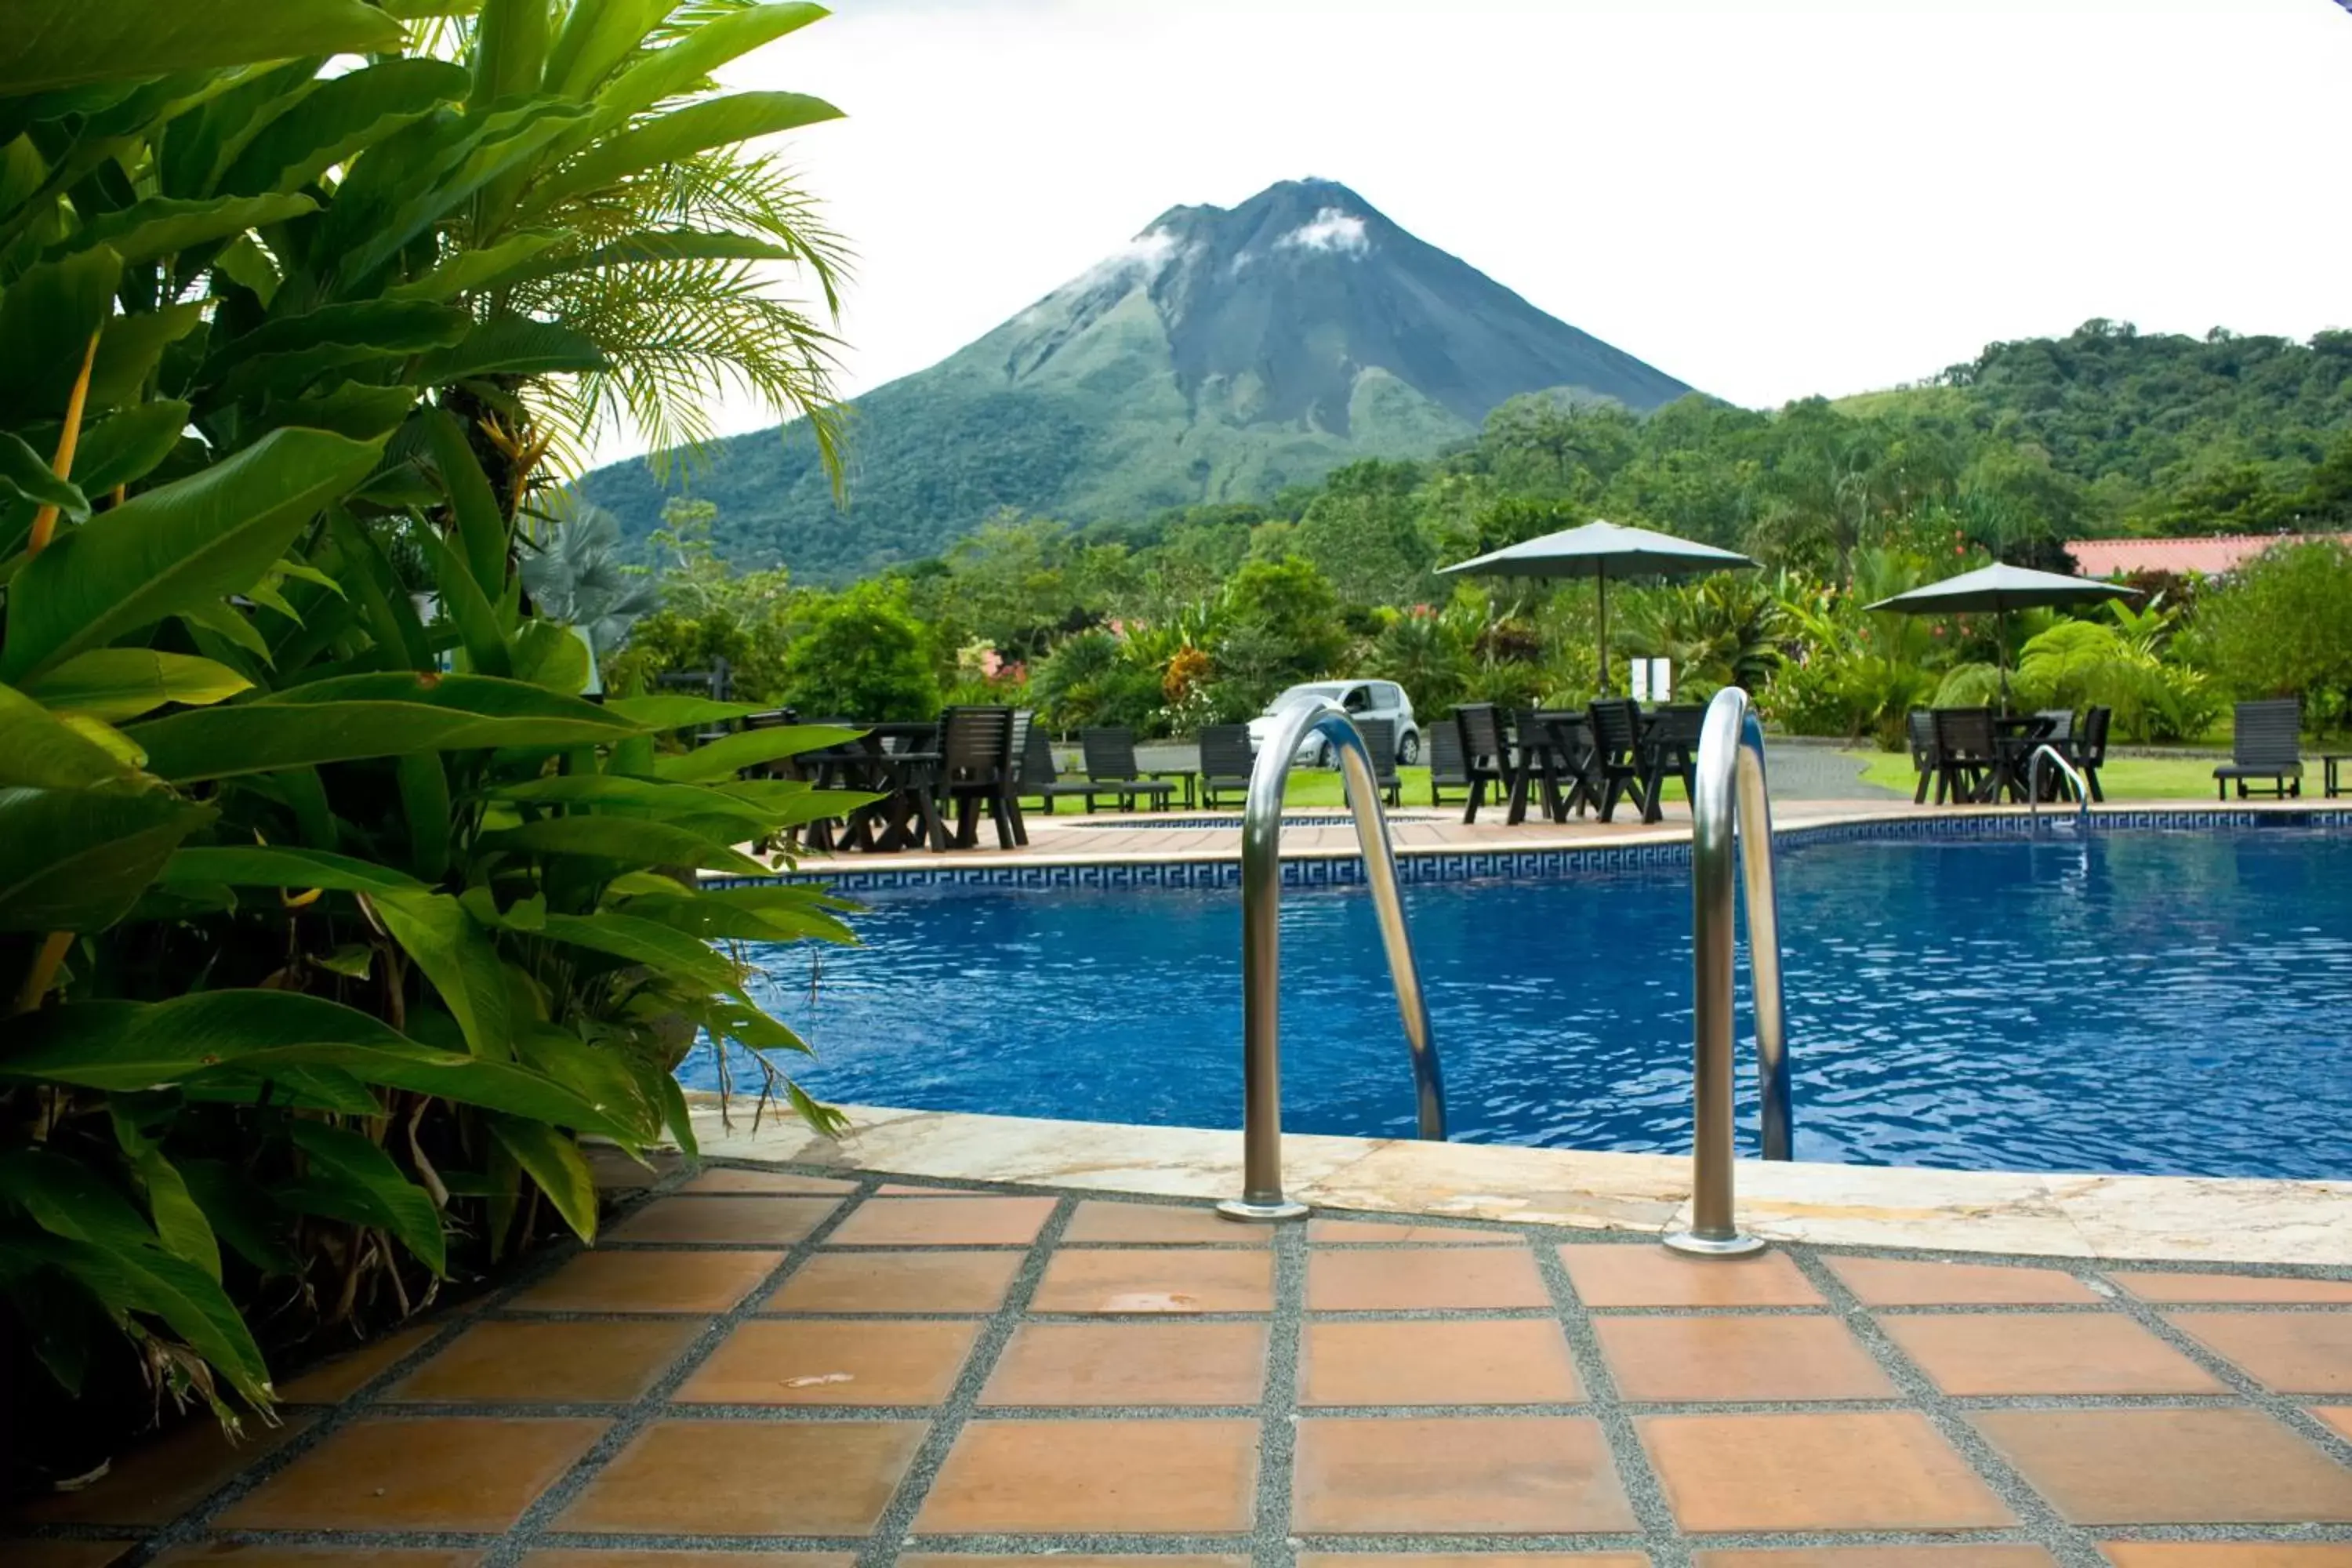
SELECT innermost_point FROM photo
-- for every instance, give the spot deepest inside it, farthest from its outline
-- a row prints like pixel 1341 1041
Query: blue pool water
pixel 2132 1000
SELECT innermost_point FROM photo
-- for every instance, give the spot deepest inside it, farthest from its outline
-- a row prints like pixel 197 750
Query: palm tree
pixel 574 576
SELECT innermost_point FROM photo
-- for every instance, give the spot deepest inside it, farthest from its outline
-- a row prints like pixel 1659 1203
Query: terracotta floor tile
pixel 2338 1416
pixel 593 1558
pixel 1157 1223
pixel 1510 1360
pixel 2170 1467
pixel 649 1282
pixel 1205 1280
pixel 1725 1358
pixel 1385 1231
pixel 898 1282
pixel 2290 1352
pixel 1069 1560
pixel 333 1382
pixel 2230 1288
pixel 1901 1282
pixel 1474 1560
pixel 911 1190
pixel 2228 1553
pixel 50 1553
pixel 434 1473
pixel 1096 1477
pixel 1130 1363
pixel 1634 1276
pixel 2044 1352
pixel 1422 1278
pixel 615 1172
pixel 765 1221
pixel 770 1363
pixel 550 1363
pixel 944 1222
pixel 1969 1556
pixel 242 1554
pixel 1487 1474
pixel 157 1480
pixel 1844 1471
pixel 726 1179
pixel 749 1478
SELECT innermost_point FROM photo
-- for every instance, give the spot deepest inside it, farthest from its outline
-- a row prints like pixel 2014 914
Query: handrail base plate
pixel 1248 1213
pixel 1692 1244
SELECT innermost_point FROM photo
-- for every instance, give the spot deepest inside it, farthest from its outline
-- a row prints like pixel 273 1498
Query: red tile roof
pixel 2208 557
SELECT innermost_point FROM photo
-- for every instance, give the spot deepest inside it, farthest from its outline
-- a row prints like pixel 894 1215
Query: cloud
pixel 1331 230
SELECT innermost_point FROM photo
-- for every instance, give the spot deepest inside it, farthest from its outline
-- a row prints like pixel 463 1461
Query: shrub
pixel 863 658
pixel 2282 627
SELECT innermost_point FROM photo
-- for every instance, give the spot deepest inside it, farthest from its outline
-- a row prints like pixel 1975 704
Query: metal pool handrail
pixel 2033 783
pixel 1729 778
pixel 1262 1198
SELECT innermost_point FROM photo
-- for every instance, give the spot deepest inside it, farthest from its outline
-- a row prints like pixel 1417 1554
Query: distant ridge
pixel 1219 355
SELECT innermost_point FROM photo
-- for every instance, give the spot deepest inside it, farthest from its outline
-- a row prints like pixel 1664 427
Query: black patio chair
pixel 1616 766
pixel 1669 747
pixel 1380 740
pixel 2088 748
pixel 2062 725
pixel 1226 762
pixel 1039 781
pixel 1920 728
pixel 2263 745
pixel 1112 769
pixel 1448 769
pixel 977 772
pixel 1968 757
pixel 1485 757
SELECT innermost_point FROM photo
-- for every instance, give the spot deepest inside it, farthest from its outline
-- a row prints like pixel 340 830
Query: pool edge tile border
pixel 2136 1219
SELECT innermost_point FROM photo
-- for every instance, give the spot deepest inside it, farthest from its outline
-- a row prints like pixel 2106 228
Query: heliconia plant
pixel 333 916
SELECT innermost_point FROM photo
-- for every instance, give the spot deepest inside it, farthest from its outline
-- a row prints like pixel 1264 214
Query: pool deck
pixel 784 1364
pixel 1107 837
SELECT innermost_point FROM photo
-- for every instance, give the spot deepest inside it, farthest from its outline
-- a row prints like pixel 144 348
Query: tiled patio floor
pixel 777 1366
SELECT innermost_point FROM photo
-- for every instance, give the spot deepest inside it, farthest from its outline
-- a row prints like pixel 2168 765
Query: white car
pixel 1361 700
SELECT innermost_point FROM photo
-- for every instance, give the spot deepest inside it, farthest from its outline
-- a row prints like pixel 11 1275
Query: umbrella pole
pixel 1600 582
pixel 2000 657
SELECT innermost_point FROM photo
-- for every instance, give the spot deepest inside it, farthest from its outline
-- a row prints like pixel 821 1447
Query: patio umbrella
pixel 2001 588
pixel 1602 550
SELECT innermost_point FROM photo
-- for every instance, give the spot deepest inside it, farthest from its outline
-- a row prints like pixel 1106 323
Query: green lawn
pixel 2124 778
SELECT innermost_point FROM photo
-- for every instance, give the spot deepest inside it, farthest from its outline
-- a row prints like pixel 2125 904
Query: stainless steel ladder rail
pixel 2033 784
pixel 1262 1196
pixel 1729 776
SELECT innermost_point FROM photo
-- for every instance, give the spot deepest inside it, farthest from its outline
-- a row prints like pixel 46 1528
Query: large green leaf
pixel 338 118
pixel 678 68
pixel 381 327
pixel 654 245
pixel 60 43
pixel 463 601
pixel 174 548
pixel 647 795
pixel 129 445
pixel 134 1045
pixel 131 349
pixel 480 524
pixel 40 751
pixel 457 955
pixel 677 712
pixel 115 683
pixel 730 754
pixel 240 1213
pixel 621 840
pixel 672 137
pixel 150 1280
pixel 511 345
pixel 556 1162
pixel 713 917
pixel 28 474
pixel 349 1178
pixel 164 226
pixel 48 316
pixel 358 716
pixel 179 1223
pixel 269 865
pixel 408 182
pixel 649 942
pixel 597 39
pixel 77 859
pixel 470 269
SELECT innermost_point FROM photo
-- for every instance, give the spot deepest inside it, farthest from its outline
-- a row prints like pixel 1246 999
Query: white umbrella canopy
pixel 1602 550
pixel 2001 588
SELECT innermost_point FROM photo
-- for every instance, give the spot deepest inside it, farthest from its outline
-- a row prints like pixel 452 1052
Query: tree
pixel 575 576
pixel 862 657
pixel 2281 626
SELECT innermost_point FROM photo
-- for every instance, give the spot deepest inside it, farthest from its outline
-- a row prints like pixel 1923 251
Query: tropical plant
pixel 862 657
pixel 331 929
pixel 2282 627
pixel 575 576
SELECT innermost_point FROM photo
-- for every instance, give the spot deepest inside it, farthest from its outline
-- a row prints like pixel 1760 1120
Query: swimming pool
pixel 2125 1001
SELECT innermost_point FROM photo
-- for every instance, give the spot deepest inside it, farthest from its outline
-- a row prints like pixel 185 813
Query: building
pixel 2211 556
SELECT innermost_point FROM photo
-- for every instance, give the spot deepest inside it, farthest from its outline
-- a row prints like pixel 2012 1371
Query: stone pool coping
pixel 2173 1219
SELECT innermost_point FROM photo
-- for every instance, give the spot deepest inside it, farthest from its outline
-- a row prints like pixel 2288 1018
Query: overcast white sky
pixel 1767 201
